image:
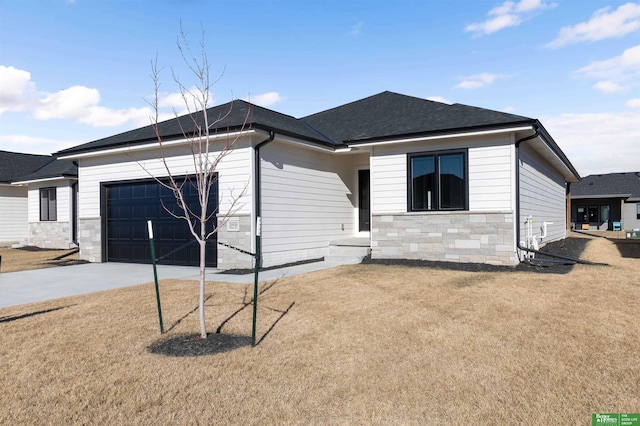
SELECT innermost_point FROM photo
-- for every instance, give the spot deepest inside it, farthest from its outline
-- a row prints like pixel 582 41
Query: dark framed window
pixel 638 211
pixel 48 209
pixel 438 181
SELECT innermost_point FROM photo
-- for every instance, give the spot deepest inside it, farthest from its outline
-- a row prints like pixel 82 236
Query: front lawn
pixel 362 344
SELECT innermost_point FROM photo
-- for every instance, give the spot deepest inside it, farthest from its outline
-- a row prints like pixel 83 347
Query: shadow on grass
pixel 568 247
pixel 218 342
pixel 628 248
pixel 31 314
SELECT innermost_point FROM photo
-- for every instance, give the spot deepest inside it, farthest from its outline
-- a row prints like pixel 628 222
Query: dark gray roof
pixel 19 167
pixel 611 184
pixel 389 114
pixel 228 117
pixel 384 115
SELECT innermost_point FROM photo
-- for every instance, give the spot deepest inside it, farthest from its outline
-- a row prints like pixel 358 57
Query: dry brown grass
pixel 361 345
pixel 14 260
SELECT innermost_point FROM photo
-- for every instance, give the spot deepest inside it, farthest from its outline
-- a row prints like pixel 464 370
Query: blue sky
pixel 75 71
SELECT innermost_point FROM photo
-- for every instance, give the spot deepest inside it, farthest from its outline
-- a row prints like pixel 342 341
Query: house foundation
pixel 450 237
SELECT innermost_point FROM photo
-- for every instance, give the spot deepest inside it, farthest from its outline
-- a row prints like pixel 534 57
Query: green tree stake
pixel 155 275
pixel 255 282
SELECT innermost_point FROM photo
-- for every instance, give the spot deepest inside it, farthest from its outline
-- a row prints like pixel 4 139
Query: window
pixel 638 211
pixel 437 181
pixel 604 213
pixel 48 204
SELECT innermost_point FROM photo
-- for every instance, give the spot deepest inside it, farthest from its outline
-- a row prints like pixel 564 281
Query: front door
pixel 364 203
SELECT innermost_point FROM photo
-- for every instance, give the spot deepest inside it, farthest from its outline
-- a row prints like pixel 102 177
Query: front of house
pixel 37 201
pixel 411 178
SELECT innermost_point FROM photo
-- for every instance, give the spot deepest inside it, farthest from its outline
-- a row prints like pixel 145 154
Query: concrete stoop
pixel 348 251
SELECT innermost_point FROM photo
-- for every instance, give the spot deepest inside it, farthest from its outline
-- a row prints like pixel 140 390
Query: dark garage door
pixel 130 205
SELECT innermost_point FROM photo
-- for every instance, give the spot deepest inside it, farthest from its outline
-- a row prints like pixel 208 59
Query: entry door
pixel 364 203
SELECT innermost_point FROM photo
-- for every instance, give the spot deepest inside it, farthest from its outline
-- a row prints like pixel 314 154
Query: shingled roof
pixel 389 115
pixel 19 167
pixel 385 115
pixel 231 116
pixel 624 185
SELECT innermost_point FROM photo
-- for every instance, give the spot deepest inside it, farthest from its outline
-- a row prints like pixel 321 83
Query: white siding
pixel 234 171
pixel 13 214
pixel 490 163
pixel 308 198
pixel 542 195
pixel 630 219
pixel 389 183
pixel 491 177
pixel 63 200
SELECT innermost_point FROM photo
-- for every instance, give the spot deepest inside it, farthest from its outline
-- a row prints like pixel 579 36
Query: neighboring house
pixel 597 201
pixel 37 200
pixel 404 177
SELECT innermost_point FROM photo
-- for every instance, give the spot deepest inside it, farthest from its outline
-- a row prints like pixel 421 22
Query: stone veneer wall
pixel 453 237
pixel 89 237
pixel 241 238
pixel 53 235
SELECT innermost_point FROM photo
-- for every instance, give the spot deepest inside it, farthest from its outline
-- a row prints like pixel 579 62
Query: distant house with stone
pixel 602 200
pixel 393 175
pixel 37 200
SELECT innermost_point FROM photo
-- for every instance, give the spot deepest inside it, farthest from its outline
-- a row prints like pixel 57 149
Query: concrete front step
pixel 347 254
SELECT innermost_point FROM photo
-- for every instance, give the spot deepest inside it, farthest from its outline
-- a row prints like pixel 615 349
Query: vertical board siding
pixel 542 195
pixel 13 213
pixel 308 199
pixel 389 183
pixel 234 171
pixel 490 178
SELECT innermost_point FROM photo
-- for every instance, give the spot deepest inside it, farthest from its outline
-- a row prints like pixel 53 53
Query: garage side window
pixel 437 181
pixel 48 210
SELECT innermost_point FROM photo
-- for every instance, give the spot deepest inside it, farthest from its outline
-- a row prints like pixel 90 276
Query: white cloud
pixel 440 99
pixel 356 28
pixel 476 81
pixel 15 90
pixel 618 73
pixel 603 24
pixel 510 109
pixel 598 142
pixel 78 103
pixel 508 14
pixel 633 103
pixel 609 86
pixel 265 99
pixel 34 145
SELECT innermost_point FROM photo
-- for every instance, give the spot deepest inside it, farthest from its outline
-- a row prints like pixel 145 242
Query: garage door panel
pixel 128 208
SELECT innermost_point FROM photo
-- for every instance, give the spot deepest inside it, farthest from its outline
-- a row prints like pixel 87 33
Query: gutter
pixel 257 196
pixel 518 142
pixel 518 245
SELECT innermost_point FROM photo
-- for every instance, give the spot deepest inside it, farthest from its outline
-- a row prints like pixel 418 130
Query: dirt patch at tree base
pixel 191 345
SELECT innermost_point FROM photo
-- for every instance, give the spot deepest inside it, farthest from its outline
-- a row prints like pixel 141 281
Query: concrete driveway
pixel 17 288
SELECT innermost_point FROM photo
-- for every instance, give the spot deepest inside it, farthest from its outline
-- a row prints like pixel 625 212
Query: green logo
pixel 612 419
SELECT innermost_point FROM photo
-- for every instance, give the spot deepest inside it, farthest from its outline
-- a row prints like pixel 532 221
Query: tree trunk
pixel 203 326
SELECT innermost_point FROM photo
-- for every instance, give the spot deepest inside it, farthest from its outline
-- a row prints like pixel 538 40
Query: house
pixel 401 177
pixel 597 201
pixel 37 196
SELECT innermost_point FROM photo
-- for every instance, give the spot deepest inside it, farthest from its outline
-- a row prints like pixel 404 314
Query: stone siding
pixel 89 237
pixel 237 233
pixel 53 235
pixel 452 237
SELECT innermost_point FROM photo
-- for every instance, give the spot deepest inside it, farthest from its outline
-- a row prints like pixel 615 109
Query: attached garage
pixel 126 208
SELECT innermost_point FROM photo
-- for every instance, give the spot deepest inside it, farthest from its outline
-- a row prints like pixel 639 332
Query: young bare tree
pixel 208 149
